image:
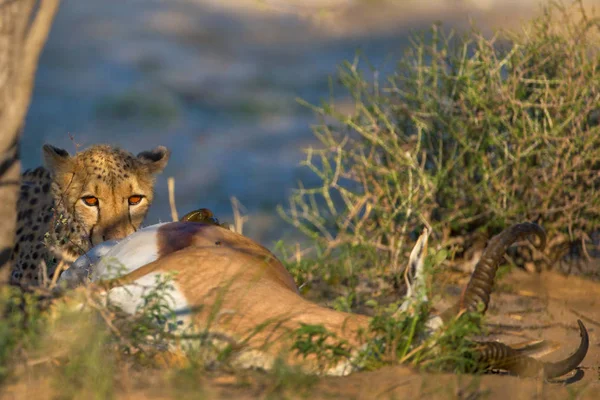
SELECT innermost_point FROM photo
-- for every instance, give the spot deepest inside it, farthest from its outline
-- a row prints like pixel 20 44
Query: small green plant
pixel 153 325
pixel 404 338
pixel 344 303
pixel 156 306
pixel 452 348
pixel 325 346
pixel 394 336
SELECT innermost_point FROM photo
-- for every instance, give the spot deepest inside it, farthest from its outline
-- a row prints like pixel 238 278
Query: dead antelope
pixel 215 266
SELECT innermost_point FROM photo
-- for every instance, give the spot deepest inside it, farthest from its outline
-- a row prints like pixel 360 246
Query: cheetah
pixel 76 202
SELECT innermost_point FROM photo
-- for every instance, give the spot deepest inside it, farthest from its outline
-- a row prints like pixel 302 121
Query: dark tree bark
pixel 24 27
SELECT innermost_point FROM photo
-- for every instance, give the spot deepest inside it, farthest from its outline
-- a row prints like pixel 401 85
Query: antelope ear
pixel 155 160
pixel 57 160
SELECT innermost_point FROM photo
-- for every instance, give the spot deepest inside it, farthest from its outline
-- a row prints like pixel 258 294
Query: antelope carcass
pixel 230 285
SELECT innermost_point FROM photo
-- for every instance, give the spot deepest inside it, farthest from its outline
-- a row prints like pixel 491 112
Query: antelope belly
pixel 136 250
pixel 132 298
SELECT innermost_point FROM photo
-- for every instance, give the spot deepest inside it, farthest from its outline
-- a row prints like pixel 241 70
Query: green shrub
pixel 469 134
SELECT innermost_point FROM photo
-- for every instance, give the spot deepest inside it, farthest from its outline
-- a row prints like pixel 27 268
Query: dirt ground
pixel 525 307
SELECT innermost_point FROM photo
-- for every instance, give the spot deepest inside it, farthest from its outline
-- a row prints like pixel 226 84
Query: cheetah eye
pixel 135 199
pixel 90 201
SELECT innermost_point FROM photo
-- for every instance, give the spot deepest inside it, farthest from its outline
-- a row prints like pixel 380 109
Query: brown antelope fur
pixel 229 285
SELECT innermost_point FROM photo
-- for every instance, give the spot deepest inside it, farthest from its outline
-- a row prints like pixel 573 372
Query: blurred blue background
pixel 217 82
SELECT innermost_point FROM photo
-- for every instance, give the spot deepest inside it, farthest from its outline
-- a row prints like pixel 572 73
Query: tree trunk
pixel 24 27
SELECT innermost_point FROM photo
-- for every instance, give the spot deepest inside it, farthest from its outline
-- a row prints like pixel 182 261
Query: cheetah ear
pixel 155 160
pixel 56 159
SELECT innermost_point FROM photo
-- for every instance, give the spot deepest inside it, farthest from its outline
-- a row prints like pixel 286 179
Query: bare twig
pixel 238 218
pixel 171 186
pixel 62 265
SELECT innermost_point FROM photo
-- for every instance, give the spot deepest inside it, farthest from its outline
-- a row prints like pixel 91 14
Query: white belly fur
pixel 132 298
pixel 111 260
pixel 129 254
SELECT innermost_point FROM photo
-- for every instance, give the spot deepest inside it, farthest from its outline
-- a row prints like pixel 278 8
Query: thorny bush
pixel 470 134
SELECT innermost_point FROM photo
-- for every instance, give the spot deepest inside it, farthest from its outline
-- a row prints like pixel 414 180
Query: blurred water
pixel 216 82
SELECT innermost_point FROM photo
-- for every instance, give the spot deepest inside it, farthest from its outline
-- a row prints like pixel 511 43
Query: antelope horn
pixel 495 355
pixel 480 285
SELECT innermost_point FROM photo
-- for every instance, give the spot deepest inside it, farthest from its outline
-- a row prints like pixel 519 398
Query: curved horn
pixel 495 355
pixel 480 285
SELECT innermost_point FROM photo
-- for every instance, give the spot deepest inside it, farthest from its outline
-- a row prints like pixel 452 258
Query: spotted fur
pixel 55 224
pixel 34 215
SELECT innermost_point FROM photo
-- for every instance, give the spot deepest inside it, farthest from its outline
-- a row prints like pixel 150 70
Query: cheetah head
pixel 105 189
